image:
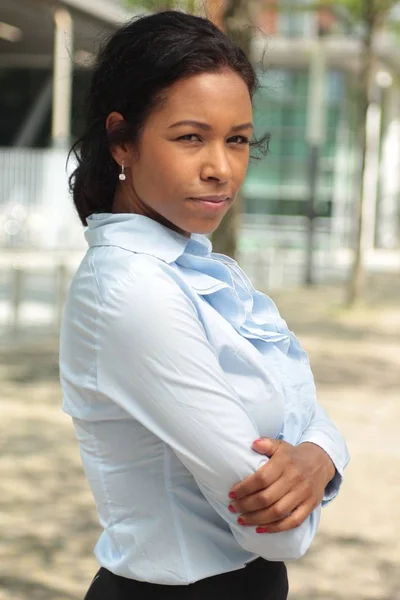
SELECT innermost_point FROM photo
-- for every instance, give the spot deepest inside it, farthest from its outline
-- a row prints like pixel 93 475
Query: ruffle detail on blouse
pixel 227 289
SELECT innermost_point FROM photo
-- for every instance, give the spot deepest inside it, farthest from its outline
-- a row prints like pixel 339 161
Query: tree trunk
pixel 370 18
pixel 237 25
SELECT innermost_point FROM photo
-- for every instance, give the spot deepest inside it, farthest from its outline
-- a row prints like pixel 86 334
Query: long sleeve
pixel 156 363
pixel 322 431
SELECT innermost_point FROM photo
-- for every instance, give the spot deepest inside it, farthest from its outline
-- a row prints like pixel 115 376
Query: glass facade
pixel 278 183
pixel 297 23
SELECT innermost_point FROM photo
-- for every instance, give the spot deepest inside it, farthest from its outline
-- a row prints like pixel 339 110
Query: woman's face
pixel 192 156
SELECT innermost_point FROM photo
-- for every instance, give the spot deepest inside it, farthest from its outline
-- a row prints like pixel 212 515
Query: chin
pixel 203 228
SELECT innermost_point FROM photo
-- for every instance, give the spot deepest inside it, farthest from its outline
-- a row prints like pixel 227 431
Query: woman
pixel 171 364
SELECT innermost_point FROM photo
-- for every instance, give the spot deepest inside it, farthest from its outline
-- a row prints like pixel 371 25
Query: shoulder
pixel 119 272
pixel 139 289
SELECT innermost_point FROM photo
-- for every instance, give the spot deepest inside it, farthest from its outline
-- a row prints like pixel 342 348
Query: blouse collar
pixel 141 234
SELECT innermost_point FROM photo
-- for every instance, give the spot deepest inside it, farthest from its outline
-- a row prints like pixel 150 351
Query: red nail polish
pixel 261 530
pixel 241 521
pixel 233 496
pixel 232 508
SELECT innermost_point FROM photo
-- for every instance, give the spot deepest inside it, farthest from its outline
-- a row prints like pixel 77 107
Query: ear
pixel 121 152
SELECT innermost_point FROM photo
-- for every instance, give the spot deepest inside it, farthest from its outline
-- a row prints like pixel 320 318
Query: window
pixel 278 183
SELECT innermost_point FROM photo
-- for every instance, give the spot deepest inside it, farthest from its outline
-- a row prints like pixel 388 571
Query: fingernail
pixel 232 508
pixel 261 530
pixel 241 521
pixel 233 496
pixel 258 440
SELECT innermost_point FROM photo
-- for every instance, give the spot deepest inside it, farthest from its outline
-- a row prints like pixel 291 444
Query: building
pixel 47 48
pixel 285 106
pixel 46 51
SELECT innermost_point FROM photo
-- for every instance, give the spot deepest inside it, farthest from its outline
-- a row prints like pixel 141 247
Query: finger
pixel 266 474
pixel 261 479
pixel 277 511
pixel 267 446
pixel 264 498
pixel 292 521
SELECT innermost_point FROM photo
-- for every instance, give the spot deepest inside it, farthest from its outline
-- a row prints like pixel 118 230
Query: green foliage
pixel 355 7
pixel 349 11
pixel 157 5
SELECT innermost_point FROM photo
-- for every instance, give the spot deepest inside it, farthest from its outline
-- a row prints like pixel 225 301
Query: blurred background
pixel 317 227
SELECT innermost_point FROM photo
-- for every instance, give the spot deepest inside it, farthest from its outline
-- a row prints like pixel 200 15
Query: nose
pixel 216 166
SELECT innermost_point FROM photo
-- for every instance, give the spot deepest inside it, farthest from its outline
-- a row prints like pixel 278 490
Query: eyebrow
pixel 207 127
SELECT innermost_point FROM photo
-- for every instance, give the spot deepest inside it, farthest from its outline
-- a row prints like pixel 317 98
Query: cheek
pixel 240 166
pixel 163 168
pixel 148 175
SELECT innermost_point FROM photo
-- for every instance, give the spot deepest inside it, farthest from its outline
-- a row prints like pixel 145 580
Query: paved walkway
pixel 47 521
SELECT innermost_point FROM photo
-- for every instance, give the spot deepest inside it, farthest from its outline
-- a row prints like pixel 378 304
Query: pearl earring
pixel 122 175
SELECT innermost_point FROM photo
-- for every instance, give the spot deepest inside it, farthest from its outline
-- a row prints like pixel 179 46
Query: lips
pixel 214 199
pixel 212 204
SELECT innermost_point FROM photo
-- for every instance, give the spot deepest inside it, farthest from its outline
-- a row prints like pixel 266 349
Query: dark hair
pixel 140 61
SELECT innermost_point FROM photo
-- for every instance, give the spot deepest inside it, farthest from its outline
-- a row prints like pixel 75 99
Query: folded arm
pixel 322 432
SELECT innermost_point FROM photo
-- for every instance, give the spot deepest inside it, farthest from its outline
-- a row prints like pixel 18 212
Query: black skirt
pixel 259 580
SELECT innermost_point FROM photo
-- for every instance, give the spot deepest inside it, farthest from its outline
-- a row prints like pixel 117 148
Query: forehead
pixel 221 96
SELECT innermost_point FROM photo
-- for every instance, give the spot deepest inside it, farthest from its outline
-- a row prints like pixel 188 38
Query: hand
pixel 284 491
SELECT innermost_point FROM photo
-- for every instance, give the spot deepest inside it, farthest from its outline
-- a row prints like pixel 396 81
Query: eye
pixel 239 139
pixel 187 138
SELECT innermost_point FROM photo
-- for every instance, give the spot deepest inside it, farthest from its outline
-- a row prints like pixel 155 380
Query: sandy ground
pixel 47 520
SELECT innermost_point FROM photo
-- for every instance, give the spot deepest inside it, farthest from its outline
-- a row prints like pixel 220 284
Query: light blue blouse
pixel 171 365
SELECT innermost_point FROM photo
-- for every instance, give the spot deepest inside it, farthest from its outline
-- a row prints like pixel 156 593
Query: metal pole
pixel 313 168
pixel 389 206
pixel 316 132
pixel 17 276
pixel 62 79
pixel 371 174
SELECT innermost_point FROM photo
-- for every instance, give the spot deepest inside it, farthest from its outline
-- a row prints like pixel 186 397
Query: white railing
pixel 36 211
pixel 33 289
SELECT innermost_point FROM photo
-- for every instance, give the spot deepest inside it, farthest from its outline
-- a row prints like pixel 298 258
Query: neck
pixel 123 203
